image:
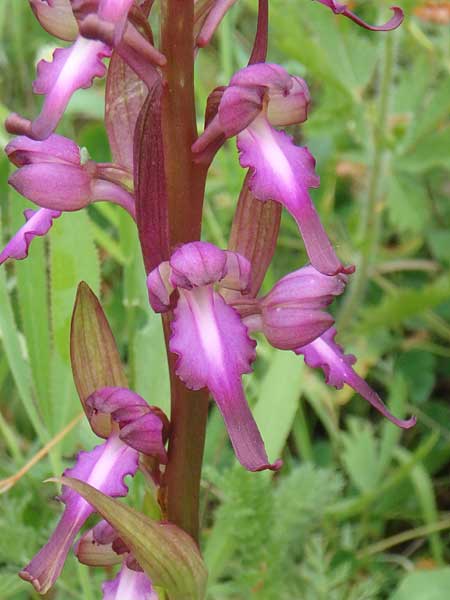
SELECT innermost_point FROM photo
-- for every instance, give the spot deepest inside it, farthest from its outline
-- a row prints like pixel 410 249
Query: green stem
pixel 185 188
pixel 371 216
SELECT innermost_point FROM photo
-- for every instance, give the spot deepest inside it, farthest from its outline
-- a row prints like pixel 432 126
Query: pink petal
pixel 284 172
pixel 129 585
pixel 104 468
pixel 325 353
pixel 38 223
pixel 72 68
pixel 214 351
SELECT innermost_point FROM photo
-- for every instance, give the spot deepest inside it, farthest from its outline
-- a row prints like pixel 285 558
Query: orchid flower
pixel 342 9
pixel 104 468
pixel 51 174
pixel 76 66
pixel 210 336
pixel 259 97
pixel 293 309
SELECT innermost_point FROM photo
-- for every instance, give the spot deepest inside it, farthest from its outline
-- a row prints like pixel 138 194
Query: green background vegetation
pixel 361 510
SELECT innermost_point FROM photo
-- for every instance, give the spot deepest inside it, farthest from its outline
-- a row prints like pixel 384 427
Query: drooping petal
pixel 325 353
pixel 104 468
pixel 284 172
pixel 342 9
pixel 214 351
pixel 129 585
pixel 24 151
pixel 38 224
pixel 72 68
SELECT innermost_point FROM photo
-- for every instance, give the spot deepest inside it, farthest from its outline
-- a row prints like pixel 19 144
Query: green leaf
pixel 424 585
pixel 167 554
pixel 95 358
pixel 277 404
pixel 360 455
pixel 418 368
pixel 397 308
pixel 73 258
pixel 408 205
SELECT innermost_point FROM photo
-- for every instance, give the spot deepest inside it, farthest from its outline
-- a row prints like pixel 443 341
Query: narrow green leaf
pixel 95 358
pixel 14 351
pixel 277 404
pixel 73 258
pixel 167 554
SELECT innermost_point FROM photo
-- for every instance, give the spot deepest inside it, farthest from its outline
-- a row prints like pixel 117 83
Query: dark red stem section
pixel 185 191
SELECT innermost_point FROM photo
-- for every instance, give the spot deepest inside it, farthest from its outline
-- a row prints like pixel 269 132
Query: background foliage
pixel 360 510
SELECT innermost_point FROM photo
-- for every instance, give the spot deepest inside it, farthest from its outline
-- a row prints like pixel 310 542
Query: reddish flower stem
pixel 185 187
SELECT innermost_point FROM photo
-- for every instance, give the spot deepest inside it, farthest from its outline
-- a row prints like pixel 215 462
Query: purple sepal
pixel 38 223
pixel 292 314
pixel 104 468
pixel 326 354
pixel 145 434
pixel 141 427
pixel 24 151
pixel 57 186
pixel 129 584
pixel 341 9
pixel 193 265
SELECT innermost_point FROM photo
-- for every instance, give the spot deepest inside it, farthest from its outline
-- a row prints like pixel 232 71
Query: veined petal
pixel 325 353
pixel 129 585
pixel 286 327
pixel 72 68
pixel 104 468
pixel 56 186
pixel 24 151
pixel 270 75
pixel 214 351
pixel 342 9
pixel 284 172
pixel 38 223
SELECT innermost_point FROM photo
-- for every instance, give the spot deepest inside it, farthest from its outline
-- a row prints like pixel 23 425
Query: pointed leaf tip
pixel 95 358
pixel 166 553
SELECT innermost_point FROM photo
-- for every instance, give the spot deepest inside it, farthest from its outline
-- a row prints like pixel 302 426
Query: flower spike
pixel 342 9
pixel 205 322
pixel 325 353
